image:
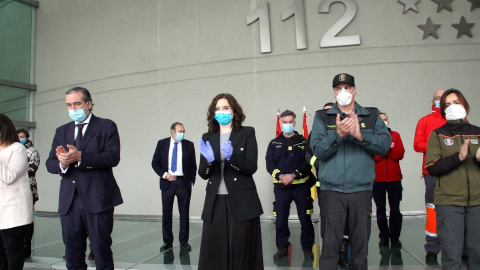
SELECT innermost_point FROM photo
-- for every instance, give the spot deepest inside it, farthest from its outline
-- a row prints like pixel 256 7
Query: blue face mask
pixel 437 103
pixel 78 115
pixel 287 128
pixel 23 141
pixel 179 136
pixel 223 118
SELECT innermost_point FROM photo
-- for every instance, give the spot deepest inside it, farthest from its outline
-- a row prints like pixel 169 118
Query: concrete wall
pixel 149 63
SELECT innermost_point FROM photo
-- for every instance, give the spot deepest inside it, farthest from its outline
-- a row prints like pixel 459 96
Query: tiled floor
pixel 136 244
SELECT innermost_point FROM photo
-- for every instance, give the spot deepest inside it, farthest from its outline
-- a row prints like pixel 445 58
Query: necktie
pixel 78 140
pixel 174 157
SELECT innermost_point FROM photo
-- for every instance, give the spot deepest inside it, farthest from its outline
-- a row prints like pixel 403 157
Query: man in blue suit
pixel 174 161
pixel 84 153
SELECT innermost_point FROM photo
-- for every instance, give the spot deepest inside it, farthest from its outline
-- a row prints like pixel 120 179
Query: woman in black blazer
pixel 231 236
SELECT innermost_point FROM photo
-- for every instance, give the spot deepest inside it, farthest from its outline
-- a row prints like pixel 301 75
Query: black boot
pixel 343 261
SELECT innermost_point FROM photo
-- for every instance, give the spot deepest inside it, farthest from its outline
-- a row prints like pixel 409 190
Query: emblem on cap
pixel 342 77
pixel 448 141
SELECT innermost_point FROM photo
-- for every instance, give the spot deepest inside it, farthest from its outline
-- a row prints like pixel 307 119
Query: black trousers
pixel 336 207
pixel 230 245
pixel 183 193
pixel 388 228
pixel 11 248
pixel 283 199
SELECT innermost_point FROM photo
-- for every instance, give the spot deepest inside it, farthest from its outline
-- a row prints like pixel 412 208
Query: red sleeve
pixel 421 138
pixel 398 149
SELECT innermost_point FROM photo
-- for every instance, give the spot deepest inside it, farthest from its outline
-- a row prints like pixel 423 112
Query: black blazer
pixel 93 178
pixel 242 192
pixel 189 164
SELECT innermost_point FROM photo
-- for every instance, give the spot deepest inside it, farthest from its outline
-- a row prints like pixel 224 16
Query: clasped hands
pixel 207 151
pixel 349 125
pixel 464 151
pixel 286 179
pixel 66 158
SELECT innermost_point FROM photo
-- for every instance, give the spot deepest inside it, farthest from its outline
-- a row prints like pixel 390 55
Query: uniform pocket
pixel 11 197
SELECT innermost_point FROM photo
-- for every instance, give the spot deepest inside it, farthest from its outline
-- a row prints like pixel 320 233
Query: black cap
pixel 343 78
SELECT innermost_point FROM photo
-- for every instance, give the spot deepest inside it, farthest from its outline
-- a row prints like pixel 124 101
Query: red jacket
pixel 387 168
pixel 425 126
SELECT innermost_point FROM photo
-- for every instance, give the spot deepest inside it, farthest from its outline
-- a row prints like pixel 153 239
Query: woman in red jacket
pixel 387 180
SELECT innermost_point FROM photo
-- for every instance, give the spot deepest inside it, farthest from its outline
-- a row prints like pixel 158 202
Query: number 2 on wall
pixel 329 39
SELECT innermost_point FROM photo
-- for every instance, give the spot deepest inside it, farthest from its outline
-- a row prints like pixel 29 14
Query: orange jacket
pixel 425 126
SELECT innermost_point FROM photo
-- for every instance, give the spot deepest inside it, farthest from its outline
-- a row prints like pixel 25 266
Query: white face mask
pixel 386 123
pixel 344 98
pixel 455 112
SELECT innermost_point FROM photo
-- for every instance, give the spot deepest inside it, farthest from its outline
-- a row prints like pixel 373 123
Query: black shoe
pixel 343 261
pixel 281 252
pixel 91 257
pixel 186 247
pixel 383 242
pixel 308 254
pixel 166 247
pixel 396 243
pixel 431 257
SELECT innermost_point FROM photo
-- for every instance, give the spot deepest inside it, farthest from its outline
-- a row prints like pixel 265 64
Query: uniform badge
pixel 290 148
pixel 448 141
pixel 362 125
pixel 473 141
pixel 342 77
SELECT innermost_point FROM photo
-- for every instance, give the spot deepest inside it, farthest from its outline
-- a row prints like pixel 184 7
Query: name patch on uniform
pixel 332 126
pixel 473 141
pixel 290 148
pixel 448 141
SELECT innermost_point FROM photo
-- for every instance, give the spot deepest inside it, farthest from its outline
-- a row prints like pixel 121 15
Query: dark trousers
pixel 28 239
pixel 11 248
pixel 457 225
pixel 336 207
pixel 183 193
pixel 391 228
pixel 77 224
pixel 432 242
pixel 228 244
pixel 283 198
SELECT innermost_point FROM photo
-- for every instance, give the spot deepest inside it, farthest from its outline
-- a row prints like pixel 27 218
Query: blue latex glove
pixel 206 150
pixel 227 149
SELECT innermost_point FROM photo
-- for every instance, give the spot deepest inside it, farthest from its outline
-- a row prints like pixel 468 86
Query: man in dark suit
pixel 84 153
pixel 174 161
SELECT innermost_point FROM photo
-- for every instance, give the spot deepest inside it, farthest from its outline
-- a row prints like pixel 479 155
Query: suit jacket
pixel 238 171
pixel 189 164
pixel 93 177
pixel 16 205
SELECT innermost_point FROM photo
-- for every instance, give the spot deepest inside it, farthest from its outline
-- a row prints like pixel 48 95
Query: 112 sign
pixel 297 9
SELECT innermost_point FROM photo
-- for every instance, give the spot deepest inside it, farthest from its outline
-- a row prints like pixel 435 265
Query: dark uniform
pixel 287 156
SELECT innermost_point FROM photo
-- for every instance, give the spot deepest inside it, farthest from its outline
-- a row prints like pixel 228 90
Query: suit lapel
pixel 235 137
pixel 91 130
pixel 215 143
pixel 165 154
pixel 70 135
pixel 184 149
